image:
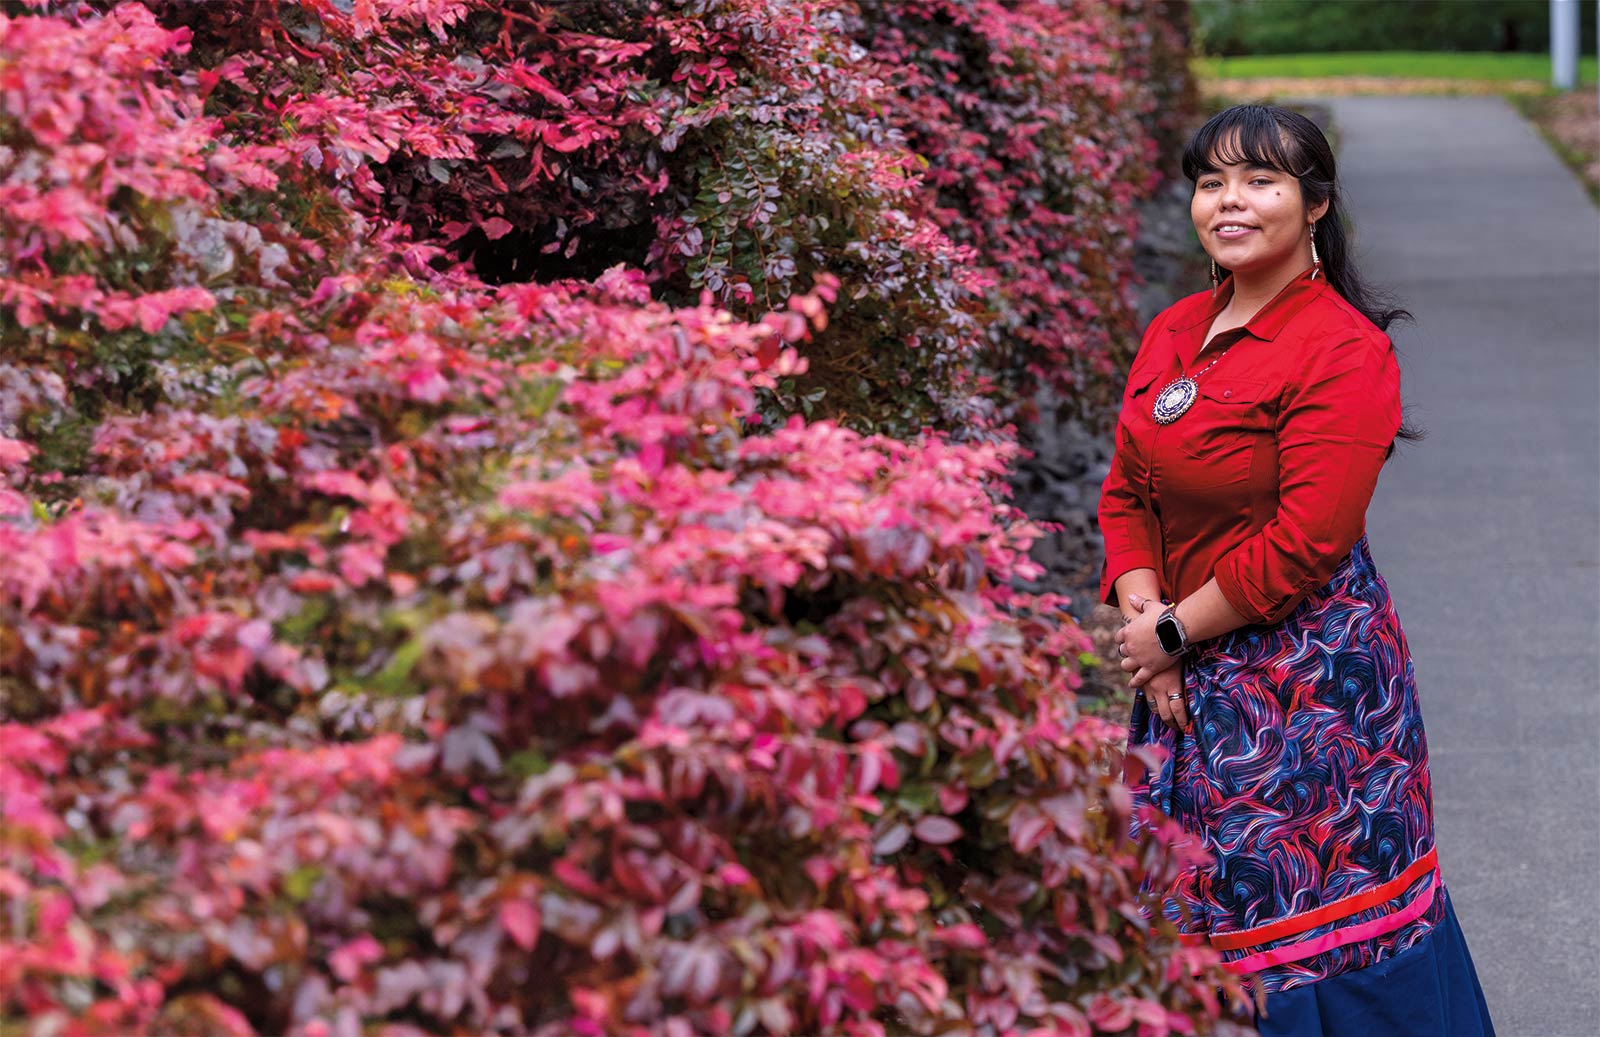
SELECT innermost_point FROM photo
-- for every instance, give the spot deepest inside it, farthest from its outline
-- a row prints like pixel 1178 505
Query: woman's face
pixel 1253 220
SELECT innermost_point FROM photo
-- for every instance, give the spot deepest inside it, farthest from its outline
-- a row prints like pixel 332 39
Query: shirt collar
pixel 1270 319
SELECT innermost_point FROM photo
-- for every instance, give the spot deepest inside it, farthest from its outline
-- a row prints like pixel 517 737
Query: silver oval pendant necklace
pixel 1178 396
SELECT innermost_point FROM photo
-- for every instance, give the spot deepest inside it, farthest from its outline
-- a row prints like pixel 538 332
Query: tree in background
pixel 1232 27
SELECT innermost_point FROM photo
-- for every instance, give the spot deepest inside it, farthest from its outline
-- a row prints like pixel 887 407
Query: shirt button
pixel 1227 392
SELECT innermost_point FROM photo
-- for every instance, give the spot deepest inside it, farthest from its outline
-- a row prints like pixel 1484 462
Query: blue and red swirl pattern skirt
pixel 1305 774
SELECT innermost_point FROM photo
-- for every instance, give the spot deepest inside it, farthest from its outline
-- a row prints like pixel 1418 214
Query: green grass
pixel 1390 64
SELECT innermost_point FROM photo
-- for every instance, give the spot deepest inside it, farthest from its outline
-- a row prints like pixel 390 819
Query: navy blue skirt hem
pixel 1428 990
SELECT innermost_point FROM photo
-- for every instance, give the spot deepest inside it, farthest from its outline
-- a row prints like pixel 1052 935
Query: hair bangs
pixel 1247 134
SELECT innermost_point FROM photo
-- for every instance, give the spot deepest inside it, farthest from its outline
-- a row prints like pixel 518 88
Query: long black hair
pixel 1277 138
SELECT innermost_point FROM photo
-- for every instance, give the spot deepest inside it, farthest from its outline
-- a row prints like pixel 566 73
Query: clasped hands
pixel 1159 674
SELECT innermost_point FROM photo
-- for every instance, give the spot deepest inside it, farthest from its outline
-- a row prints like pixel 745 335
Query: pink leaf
pixel 1110 1015
pixel 965 935
pixel 520 918
pixel 1028 828
pixel 937 830
pixel 347 961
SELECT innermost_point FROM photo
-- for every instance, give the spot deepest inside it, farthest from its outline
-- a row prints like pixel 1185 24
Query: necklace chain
pixel 1214 360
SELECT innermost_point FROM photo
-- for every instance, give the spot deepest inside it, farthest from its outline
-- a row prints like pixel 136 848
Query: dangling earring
pixel 1316 263
pixel 1216 281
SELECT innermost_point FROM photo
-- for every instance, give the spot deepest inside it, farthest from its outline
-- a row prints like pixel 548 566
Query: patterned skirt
pixel 1305 774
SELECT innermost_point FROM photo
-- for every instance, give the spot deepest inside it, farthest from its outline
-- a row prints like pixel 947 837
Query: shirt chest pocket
pixel 1229 418
pixel 1140 393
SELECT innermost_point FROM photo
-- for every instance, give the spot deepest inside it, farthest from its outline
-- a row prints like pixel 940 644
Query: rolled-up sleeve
pixel 1123 513
pixel 1334 428
pixel 1124 523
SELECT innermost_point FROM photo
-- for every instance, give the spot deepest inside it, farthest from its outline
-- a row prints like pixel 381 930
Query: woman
pixel 1269 662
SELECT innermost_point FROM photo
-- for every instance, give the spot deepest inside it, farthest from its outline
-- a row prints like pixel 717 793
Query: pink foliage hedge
pixel 387 651
pixel 965 168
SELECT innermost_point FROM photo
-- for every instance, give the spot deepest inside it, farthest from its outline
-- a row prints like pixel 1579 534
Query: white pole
pixel 1564 43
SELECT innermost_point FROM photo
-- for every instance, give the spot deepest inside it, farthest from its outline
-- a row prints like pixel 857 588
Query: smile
pixel 1233 230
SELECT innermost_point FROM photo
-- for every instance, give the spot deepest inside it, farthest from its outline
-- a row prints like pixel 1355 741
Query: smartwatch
pixel 1169 631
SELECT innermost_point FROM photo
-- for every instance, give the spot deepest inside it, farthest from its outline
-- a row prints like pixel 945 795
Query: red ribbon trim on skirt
pixel 1341 908
pixel 1339 937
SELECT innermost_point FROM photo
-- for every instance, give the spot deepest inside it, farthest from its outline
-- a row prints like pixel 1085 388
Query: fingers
pixel 1124 661
pixel 1130 665
pixel 1163 705
pixel 1143 678
pixel 1180 709
pixel 1180 705
pixel 1157 692
pixel 1159 704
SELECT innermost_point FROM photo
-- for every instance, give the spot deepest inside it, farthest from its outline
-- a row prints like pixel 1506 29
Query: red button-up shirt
pixel 1264 481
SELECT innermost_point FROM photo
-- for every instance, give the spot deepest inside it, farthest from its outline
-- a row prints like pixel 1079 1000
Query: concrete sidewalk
pixel 1488 532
